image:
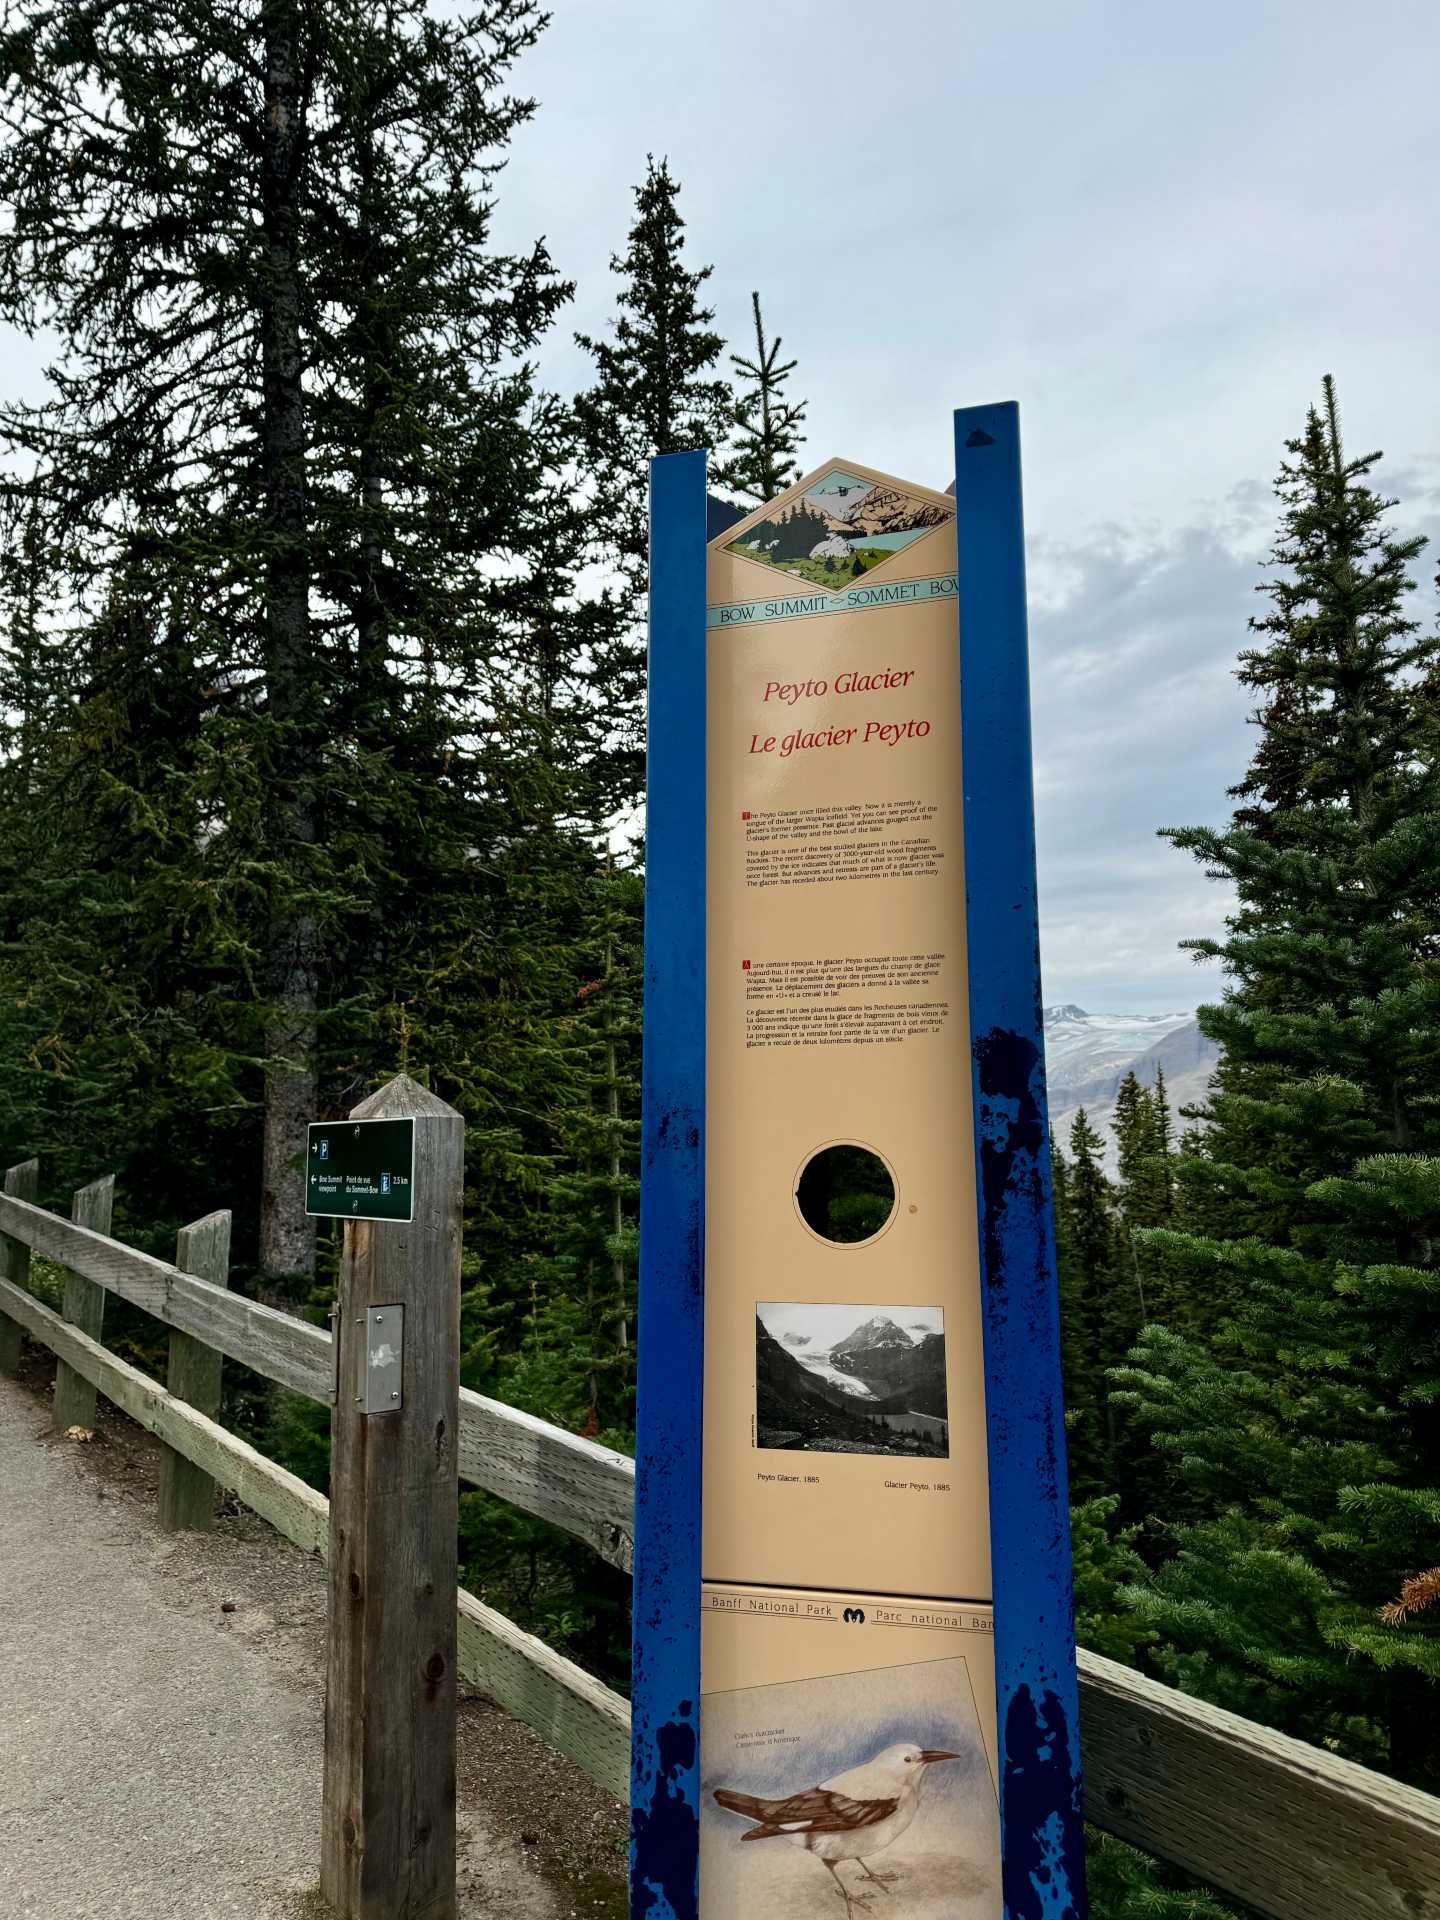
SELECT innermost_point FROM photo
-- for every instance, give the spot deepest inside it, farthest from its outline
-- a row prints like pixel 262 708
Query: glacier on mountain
pixel 1087 1055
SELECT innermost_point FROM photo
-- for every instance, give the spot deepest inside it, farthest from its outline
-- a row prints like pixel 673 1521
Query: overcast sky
pixel 1155 227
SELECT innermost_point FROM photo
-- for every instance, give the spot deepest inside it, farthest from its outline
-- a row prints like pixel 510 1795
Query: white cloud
pixel 1139 723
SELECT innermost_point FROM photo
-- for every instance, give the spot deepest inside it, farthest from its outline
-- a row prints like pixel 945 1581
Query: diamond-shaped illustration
pixel 837 527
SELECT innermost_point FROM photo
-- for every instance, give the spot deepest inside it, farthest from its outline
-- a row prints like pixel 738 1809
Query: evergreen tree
pixel 1091 1203
pixel 26 674
pixel 656 391
pixel 124 1003
pixel 1086 1258
pixel 1123 1884
pixel 1303 1427
pixel 304 501
pixel 766 424
pixel 1164 1143
pixel 1105 1563
pixel 1074 1323
pixel 589 1304
pixel 1141 1125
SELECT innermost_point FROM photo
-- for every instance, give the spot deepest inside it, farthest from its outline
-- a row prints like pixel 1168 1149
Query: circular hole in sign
pixel 845 1193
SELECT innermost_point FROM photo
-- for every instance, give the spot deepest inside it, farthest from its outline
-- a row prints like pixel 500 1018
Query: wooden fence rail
pixel 575 1712
pixel 587 1490
pixel 1288 1829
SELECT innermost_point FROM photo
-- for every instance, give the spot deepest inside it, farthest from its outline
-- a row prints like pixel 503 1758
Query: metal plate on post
pixel 380 1380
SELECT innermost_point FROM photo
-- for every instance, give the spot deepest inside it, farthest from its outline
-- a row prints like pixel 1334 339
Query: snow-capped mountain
pixel 1087 1055
pixel 874 1336
pixel 884 1361
pixel 1082 1048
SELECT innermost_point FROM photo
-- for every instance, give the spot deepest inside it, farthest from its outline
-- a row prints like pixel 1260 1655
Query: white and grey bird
pixel 852 1817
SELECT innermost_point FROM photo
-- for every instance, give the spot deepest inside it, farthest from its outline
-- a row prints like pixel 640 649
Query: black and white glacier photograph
pixel 851 1379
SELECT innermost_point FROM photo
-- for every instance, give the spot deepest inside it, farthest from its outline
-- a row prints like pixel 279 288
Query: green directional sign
pixel 361 1169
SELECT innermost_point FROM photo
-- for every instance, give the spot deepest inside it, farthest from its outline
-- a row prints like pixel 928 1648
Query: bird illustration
pixel 852 1817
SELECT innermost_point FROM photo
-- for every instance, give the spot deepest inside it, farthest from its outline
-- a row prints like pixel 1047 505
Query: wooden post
pixel 83 1307
pixel 187 1493
pixel 388 1833
pixel 21 1183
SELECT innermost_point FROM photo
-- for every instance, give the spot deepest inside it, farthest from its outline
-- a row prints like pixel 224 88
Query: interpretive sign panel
pixel 844 1377
pixel 360 1169
pixel 847 1745
pixel 853 1660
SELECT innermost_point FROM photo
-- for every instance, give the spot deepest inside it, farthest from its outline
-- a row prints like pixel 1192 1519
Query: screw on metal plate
pixel 382 1382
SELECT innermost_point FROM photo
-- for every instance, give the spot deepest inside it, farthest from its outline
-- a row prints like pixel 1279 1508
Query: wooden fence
pixel 1286 1828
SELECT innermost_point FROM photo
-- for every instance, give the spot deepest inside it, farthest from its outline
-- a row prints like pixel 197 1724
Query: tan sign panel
pixel 844 1438
pixel 847 1746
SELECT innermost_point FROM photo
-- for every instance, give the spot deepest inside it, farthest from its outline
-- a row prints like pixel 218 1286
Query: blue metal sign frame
pixel 1037 1705
pixel 1036 1695
pixel 665 1654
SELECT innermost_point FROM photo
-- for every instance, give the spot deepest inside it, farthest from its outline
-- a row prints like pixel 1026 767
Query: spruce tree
pixel 293 456
pixel 27 570
pixel 1300 1419
pixel 125 1008
pixel 1086 1259
pixel 1141 1125
pixel 766 424
pixel 656 391
pixel 1123 1884
pixel 1164 1137
pixel 589 1304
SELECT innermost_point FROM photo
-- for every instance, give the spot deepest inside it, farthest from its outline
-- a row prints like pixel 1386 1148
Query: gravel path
pixel 161 1708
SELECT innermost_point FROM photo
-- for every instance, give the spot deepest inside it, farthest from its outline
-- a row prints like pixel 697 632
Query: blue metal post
pixel 665 1753
pixel 1036 1693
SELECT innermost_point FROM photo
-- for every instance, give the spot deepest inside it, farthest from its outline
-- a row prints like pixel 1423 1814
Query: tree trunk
pixel 375 697
pixel 28 639
pixel 377 345
pixel 287 1238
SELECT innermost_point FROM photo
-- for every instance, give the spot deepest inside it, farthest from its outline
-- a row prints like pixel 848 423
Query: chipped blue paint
pixel 1037 1703
pixel 665 1758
